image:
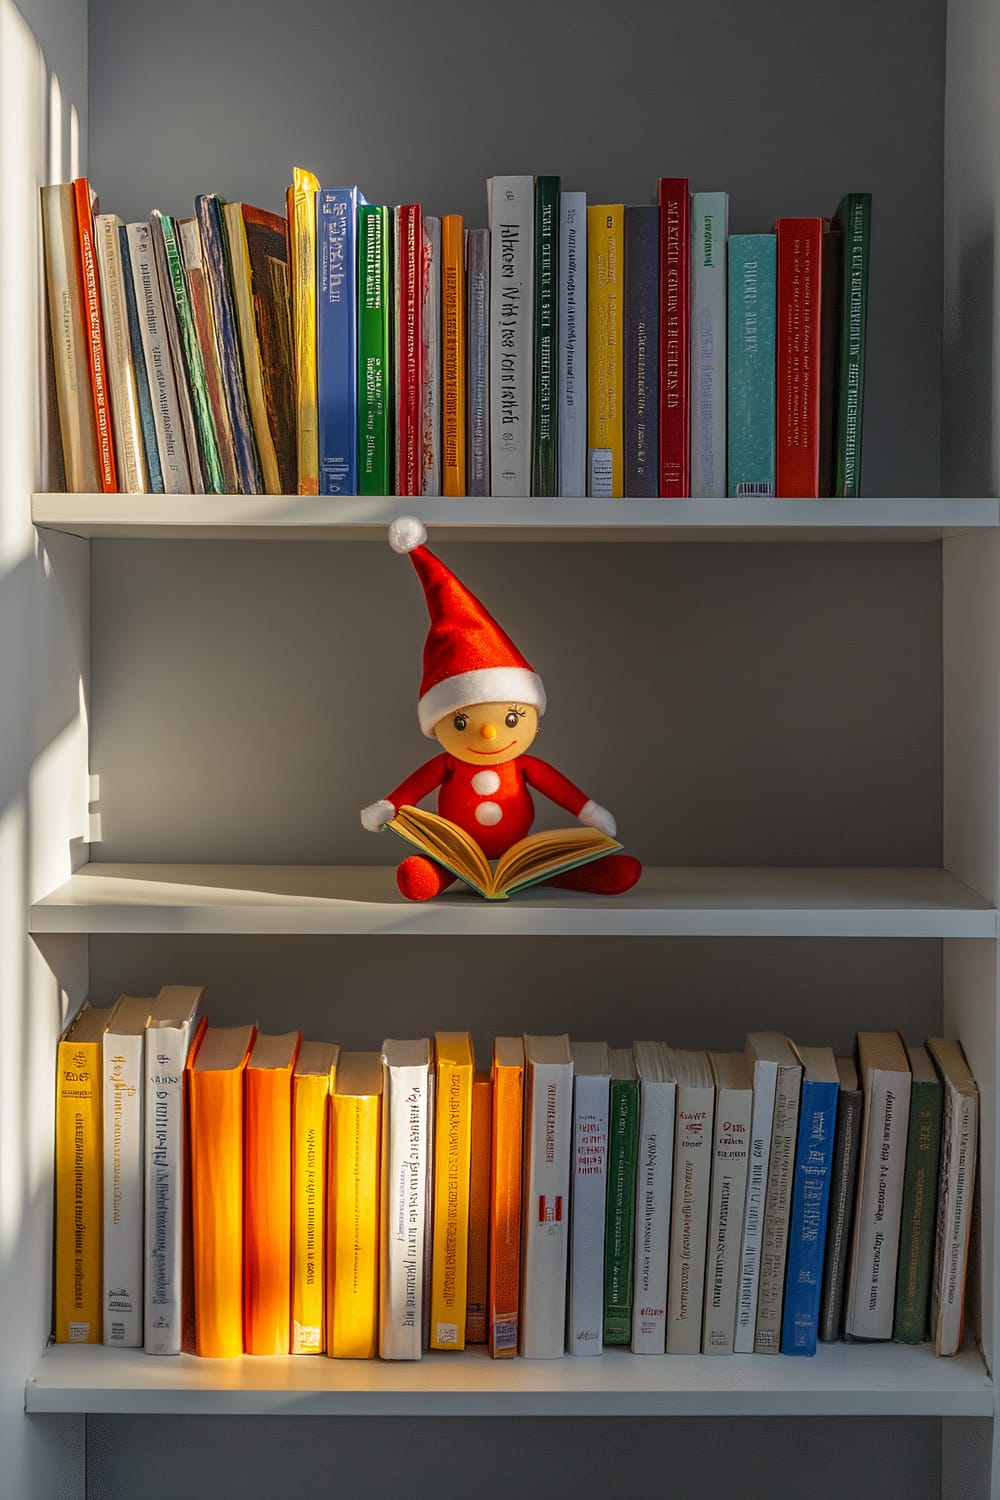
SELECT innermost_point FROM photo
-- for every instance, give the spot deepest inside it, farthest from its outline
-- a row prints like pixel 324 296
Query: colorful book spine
pixel 133 476
pixel 79 1185
pixel 854 216
pixel 511 222
pixel 807 1224
pixel 477 1295
pixel 843 1186
pixel 430 343
pixel 169 435
pixel 184 352
pixel 829 352
pixel 353 1208
pixel 405 1145
pixel 917 1216
pixel 654 1179
pixel 765 1080
pixel 478 422
pixel 689 1216
pixel 797 352
pixel 452 1168
pixel 147 425
pixel 777 1208
pixel 588 1198
pixel 573 344
pixel 302 268
pixel 675 333
pixel 199 293
pixel 337 339
pixel 752 314
pixel 605 235
pixel 407 364
pixel 545 412
pixel 267 1251
pixel 506 1151
pixel 733 1116
pixel 70 339
pixel 619 1230
pixel 374 299
pixel 642 351
pixel 94 325
pixel 548 1126
pixel 315 1072
pixel 709 231
pixel 453 393
pixel 215 252
pixel 123 1173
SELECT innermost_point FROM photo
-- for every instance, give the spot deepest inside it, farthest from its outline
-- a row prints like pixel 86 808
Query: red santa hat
pixel 468 659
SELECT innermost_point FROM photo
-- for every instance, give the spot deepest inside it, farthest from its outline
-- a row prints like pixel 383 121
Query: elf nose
pixel 488 731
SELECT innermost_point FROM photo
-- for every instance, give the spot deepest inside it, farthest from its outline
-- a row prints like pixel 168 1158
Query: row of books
pixel 567 349
pixel 575 1197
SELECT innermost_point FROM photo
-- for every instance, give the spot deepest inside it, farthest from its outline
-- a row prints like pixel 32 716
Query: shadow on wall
pixel 968 457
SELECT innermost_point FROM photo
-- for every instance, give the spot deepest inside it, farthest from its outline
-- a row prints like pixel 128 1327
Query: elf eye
pixel 460 721
pixel 512 720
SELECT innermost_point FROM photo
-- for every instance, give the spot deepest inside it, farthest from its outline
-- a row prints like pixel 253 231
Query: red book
pixel 408 362
pixel 675 336
pixel 800 264
pixel 84 208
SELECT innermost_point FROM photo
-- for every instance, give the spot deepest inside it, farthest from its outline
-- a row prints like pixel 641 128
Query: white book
pixel 709 231
pixel 957 1183
pixel 548 1140
pixel 884 1072
pixel 425 1321
pixel 123 1178
pixel 764 1072
pixel 405 1140
pixel 511 202
pixel 159 365
pixel 778 1199
pixel 133 478
pixel 689 1201
pixel 430 329
pixel 573 344
pixel 733 1115
pixel 654 1177
pixel 170 1030
pixel 588 1193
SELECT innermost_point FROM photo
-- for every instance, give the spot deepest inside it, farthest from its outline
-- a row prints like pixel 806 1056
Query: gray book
pixel 478 293
pixel 778 1199
pixel 843 1185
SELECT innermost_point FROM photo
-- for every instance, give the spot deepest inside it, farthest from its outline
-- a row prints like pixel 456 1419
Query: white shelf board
pixel 841 1380
pixel 668 902
pixel 364 518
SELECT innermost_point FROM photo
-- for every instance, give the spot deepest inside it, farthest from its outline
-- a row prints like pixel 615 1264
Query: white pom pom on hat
pixel 406 534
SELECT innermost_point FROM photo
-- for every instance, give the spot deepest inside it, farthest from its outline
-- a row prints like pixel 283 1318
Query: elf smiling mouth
pixel 498 751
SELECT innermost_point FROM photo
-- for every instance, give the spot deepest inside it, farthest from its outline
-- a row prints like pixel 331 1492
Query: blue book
pixel 641 429
pixel 146 423
pixel 810 1200
pixel 337 338
pixel 215 247
pixel 752 321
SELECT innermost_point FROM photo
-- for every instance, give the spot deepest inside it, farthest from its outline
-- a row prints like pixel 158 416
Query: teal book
pixel 545 423
pixel 752 315
pixel 374 386
pixel 854 219
pixel 619 1222
pixel 208 445
pixel 918 1215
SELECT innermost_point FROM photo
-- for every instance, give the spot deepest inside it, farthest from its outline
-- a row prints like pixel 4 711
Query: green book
pixel 374 456
pixel 919 1211
pixel 619 1222
pixel 854 219
pixel 194 364
pixel 545 420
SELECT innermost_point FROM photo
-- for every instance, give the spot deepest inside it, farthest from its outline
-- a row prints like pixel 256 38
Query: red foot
pixel 421 879
pixel 609 876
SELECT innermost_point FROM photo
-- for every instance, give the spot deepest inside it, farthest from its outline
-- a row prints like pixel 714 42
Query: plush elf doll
pixel 481 701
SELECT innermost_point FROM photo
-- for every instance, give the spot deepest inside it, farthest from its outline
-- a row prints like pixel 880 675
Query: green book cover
pixel 619 1223
pixel 854 219
pixel 919 1211
pixel 545 422
pixel 204 420
pixel 374 465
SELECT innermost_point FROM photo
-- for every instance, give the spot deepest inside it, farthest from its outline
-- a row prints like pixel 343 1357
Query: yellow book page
pixel 353 1238
pixel 549 852
pixel 447 843
pixel 452 1159
pixel 311 1092
pixel 79 1203
pixel 249 344
pixel 605 271
pixel 302 267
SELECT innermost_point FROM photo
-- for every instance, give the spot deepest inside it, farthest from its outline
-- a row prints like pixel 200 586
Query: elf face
pixel 487 734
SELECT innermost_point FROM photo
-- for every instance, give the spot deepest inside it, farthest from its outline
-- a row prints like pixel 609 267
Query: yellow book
pixel 352 1241
pixel 302 269
pixel 313 1080
pixel 455 1068
pixel 605 308
pixel 453 353
pixel 79 1177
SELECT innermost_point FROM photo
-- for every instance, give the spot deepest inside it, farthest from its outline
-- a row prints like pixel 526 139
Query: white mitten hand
pixel 377 815
pixel 593 815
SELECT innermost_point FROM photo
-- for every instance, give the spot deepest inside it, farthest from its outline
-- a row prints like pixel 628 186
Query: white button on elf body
pixel 485 783
pixel 489 814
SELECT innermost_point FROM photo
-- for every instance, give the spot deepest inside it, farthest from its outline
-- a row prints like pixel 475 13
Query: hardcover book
pixel 78 1178
pixel 353 1208
pixel 407 349
pixel 605 287
pixel 709 231
pixel 544 417
pixel 71 343
pixel 215 258
pixel 169 431
pixel 147 426
pixel 267 1251
pixel 548 1141
pixel 955 1194
pixel 675 327
pixel 503 1311
pixel 800 255
pixel 405 1143
pixel 810 1200
pixel 884 1070
pixel 654 1179
pixel 85 206
pixel 762 1062
pixel 123 1171
pixel 196 415
pixel 511 203
pixel 314 1077
pixel 478 421
pixel 130 457
pixel 588 1194
pixel 189 240
pixel 619 1231
pixel 690 1198
pixel 302 268
pixel 454 1067
pixel 752 314
pixel 573 344
pixel 733 1117
pixel 843 1186
pixel 642 351
pixel 831 277
pixel 853 218
pixel 778 1198
pixel 453 393
pixel 920 1181
pixel 337 338
pixel 477 1297
pixel 374 334
pixel 430 335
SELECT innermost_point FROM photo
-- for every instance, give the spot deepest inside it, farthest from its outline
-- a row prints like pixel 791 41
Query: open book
pixel 537 857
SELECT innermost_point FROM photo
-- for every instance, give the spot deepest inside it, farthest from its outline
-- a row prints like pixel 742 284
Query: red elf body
pixel 482 701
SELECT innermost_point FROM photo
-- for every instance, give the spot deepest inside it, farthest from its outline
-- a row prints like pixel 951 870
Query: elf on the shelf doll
pixel 481 701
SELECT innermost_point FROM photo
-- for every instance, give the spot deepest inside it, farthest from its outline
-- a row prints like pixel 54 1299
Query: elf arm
pixel 411 791
pixel 560 790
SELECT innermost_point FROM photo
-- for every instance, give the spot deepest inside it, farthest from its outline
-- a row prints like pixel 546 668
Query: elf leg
pixel 609 876
pixel 421 879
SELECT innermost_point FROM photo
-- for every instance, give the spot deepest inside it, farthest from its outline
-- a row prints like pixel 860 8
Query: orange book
pixel 453 354
pixel 86 204
pixel 215 1069
pixel 479 1211
pixel 315 1072
pixel 267 1198
pixel 505 1196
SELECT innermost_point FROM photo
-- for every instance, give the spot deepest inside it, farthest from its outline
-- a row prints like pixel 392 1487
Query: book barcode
pixel 447 1333
pixel 764 489
pixel 505 1333
pixel 766 1339
pixel 601 473
pixel 79 1333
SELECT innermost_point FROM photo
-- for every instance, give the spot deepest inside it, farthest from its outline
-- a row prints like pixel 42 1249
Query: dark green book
pixel 854 219
pixel 919 1212
pixel 619 1223
pixel 374 312
pixel 208 446
pixel 545 419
